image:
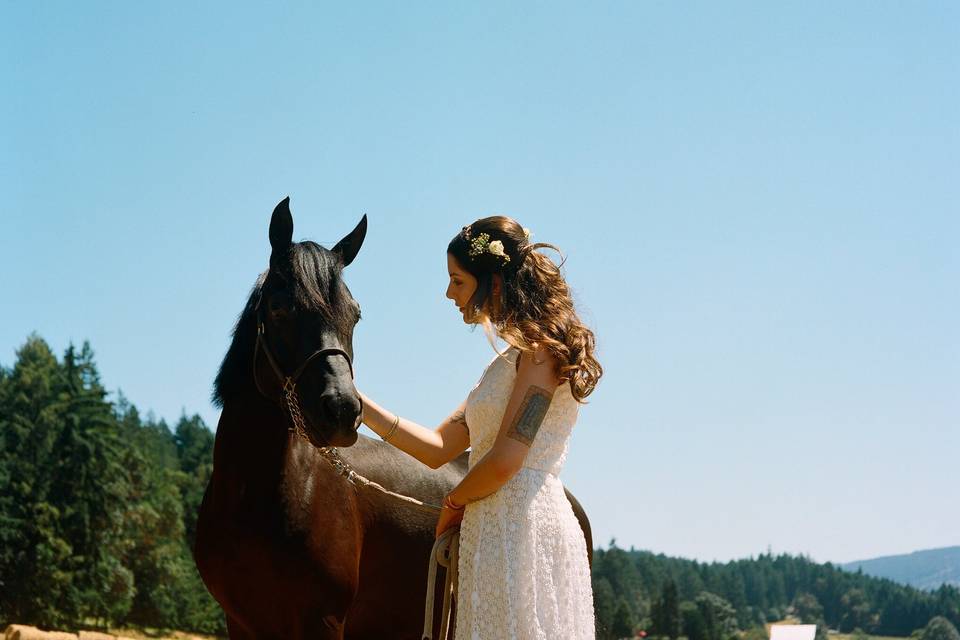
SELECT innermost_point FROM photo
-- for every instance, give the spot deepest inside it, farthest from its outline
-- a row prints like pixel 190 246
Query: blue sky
pixel 758 203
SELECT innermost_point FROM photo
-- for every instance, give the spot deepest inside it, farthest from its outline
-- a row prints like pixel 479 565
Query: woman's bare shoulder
pixel 537 359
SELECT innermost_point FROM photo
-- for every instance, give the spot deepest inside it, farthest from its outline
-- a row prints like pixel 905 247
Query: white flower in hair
pixel 482 244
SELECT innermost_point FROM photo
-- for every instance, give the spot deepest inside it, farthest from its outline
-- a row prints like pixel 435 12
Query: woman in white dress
pixel 523 568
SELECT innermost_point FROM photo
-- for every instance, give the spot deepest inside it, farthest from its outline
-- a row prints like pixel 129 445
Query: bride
pixel 523 568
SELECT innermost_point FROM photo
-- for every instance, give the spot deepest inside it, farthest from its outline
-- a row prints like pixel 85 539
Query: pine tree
pixel 604 606
pixel 693 624
pixel 90 486
pixel 37 585
pixel 623 622
pixel 666 612
pixel 194 443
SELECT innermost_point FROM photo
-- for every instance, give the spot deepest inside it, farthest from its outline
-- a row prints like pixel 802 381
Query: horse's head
pixel 305 319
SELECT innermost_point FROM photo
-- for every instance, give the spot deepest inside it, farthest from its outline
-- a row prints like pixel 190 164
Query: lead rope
pixel 446 553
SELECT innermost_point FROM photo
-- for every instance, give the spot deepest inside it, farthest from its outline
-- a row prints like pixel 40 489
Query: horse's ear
pixel 281 232
pixel 349 247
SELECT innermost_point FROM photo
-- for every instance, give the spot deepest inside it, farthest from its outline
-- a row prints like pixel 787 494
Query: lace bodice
pixel 487 403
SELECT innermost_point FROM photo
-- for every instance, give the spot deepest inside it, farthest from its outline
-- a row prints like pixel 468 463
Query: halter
pixel 296 417
pixel 290 398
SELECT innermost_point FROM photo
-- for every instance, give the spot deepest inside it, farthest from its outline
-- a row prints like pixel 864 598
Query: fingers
pixel 446 520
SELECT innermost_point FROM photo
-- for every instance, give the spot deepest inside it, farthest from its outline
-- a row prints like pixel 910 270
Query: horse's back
pixel 401 473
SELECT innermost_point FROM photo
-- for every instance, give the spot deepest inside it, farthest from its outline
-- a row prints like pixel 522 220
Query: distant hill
pixel 921 569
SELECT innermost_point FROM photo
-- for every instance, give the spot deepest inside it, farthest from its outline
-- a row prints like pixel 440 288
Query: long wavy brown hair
pixel 535 307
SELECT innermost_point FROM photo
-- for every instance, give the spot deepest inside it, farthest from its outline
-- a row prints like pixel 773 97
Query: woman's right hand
pixel 448 518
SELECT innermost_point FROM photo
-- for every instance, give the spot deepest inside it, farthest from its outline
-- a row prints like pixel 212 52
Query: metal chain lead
pixel 293 406
pixel 298 427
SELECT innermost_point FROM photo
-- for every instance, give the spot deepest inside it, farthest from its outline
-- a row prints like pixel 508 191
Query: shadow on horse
pixel 291 547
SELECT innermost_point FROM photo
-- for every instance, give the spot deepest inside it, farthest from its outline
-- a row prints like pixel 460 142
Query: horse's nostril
pixel 342 409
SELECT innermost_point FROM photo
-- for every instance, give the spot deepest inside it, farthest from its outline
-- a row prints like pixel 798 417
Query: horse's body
pixel 292 549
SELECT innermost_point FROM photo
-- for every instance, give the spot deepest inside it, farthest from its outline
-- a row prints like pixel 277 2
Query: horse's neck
pixel 265 475
pixel 251 441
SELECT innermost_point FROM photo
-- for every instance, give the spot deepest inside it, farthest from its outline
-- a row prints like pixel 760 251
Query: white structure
pixel 793 631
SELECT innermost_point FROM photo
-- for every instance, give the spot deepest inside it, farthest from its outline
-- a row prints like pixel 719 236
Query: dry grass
pixel 153 634
pixel 850 636
pixel 133 634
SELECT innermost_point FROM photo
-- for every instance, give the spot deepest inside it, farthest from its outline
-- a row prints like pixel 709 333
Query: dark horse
pixel 287 542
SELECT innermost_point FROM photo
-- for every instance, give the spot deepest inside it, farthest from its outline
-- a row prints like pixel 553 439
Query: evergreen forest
pixel 669 597
pixel 98 503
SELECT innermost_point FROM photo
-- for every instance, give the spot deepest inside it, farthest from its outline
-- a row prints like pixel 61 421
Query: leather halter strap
pixel 288 383
pixel 262 344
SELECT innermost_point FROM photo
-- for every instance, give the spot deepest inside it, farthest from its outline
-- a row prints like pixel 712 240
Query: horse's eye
pixel 279 304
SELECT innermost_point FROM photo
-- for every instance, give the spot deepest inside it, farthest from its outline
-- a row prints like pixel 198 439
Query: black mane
pixel 317 287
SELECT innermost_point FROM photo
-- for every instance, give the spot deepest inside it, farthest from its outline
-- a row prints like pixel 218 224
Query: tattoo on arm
pixel 460 418
pixel 530 415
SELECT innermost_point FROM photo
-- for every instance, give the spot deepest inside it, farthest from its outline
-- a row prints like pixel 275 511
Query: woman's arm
pixel 532 393
pixel 433 448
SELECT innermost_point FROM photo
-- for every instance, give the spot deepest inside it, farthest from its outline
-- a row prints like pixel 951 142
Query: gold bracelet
pixel 396 423
pixel 450 504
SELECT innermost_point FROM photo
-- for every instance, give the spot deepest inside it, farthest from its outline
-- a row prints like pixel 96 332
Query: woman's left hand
pixel 448 518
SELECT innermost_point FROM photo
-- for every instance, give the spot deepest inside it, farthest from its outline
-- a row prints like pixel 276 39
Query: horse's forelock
pixel 317 284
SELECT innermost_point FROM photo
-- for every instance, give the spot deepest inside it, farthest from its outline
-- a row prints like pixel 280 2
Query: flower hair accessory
pixel 482 244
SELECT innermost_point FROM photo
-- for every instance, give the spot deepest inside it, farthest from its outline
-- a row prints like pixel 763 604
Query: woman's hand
pixel 448 518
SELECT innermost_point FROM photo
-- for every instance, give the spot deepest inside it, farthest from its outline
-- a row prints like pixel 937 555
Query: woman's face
pixel 461 287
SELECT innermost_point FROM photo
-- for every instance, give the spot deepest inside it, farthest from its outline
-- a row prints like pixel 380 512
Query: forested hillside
pixel 704 601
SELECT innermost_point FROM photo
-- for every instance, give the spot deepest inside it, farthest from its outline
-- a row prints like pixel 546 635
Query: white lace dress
pixel 523 564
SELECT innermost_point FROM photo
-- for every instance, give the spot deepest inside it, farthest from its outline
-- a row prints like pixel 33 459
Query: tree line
pixel 670 597
pixel 98 507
